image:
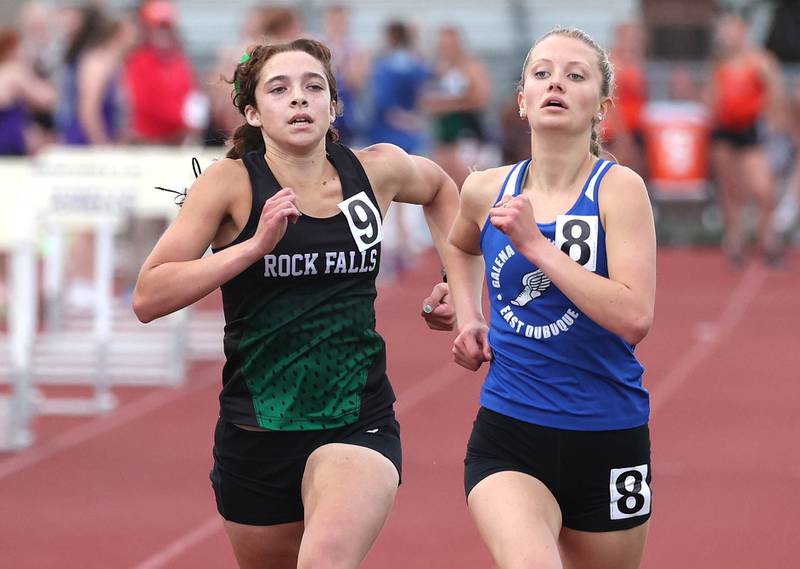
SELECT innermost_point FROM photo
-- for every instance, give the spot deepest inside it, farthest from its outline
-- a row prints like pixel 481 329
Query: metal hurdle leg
pixel 110 348
pixel 103 400
pixel 104 291
pixel 22 331
pixel 53 277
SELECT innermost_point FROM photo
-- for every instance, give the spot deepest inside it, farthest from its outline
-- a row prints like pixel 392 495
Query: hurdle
pixel 17 240
pixel 92 190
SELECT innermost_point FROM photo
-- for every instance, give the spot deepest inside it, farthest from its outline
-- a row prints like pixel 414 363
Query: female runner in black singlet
pixel 307 452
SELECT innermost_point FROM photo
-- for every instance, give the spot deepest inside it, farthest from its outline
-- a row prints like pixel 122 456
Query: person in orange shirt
pixel 745 92
pixel 623 128
pixel 455 101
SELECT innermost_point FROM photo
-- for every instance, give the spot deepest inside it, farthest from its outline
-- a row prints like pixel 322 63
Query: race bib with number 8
pixel 576 235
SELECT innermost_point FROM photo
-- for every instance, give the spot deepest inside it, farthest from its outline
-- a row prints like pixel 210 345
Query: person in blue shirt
pixel 351 70
pixel 398 77
pixel 557 472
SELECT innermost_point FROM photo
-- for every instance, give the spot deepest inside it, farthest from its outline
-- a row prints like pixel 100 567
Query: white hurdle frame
pixel 116 183
pixel 102 400
pixel 18 242
pixel 22 332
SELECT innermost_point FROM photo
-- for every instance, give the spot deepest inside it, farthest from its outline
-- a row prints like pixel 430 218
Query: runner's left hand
pixel 437 309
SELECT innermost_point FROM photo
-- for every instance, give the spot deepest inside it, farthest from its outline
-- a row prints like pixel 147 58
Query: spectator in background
pixel 515 134
pixel 794 132
pixel 21 92
pixel 398 76
pixel 224 118
pixel 38 25
pixel 745 91
pixel 351 69
pixel 91 115
pixel 281 25
pixel 166 106
pixel 260 25
pixel 623 128
pixel 91 107
pixel 459 93
pixel 683 85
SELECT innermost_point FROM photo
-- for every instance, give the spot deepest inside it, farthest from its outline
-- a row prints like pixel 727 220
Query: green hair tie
pixel 237 85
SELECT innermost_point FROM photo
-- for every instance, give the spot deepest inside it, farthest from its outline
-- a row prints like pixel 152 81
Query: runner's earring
pixel 522 113
pixel 600 117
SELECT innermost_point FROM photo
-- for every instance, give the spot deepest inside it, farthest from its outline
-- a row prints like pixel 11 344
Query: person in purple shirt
pixel 91 110
pixel 20 91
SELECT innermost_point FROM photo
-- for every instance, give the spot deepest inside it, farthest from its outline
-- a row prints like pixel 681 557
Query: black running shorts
pixel 257 474
pixel 600 479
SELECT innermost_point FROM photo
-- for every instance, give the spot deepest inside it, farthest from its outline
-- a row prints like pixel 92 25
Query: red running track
pixel 130 490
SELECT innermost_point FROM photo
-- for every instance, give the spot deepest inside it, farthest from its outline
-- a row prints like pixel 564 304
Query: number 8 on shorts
pixel 630 493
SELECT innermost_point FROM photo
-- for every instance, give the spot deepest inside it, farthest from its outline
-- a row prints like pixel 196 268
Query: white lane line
pixel 208 528
pixel 97 426
pixel 710 336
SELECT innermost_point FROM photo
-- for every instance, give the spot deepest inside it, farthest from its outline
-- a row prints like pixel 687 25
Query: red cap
pixel 159 13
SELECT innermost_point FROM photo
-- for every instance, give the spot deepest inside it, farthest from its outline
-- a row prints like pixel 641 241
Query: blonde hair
pixel 606 71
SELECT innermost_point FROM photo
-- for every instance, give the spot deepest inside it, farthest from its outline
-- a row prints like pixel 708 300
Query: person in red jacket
pixel 165 104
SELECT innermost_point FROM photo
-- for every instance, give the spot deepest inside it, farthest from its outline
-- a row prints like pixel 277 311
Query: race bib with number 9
pixel 364 220
pixel 576 235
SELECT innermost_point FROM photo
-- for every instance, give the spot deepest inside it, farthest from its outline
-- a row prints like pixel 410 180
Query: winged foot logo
pixel 534 285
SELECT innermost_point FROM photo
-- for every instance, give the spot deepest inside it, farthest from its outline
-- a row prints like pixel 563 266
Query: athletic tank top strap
pixel 513 182
pixel 510 187
pixel 352 175
pixel 263 183
pixel 590 186
pixel 516 177
pixel 596 177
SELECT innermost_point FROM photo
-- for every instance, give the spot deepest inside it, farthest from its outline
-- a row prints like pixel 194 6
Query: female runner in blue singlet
pixel 557 472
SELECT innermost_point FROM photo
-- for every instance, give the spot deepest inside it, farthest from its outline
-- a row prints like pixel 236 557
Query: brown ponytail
pixel 244 139
pixel 594 142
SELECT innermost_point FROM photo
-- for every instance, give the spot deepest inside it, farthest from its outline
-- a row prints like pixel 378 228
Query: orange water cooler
pixel 677 144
